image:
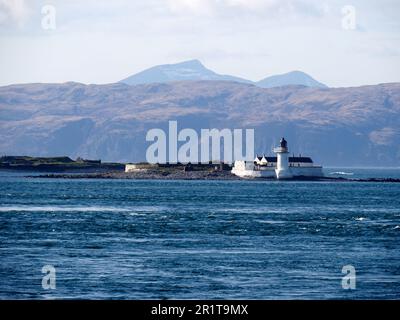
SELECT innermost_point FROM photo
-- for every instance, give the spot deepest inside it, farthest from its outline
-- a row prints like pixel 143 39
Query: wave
pixel 342 173
pixel 272 221
pixel 360 219
pixel 25 208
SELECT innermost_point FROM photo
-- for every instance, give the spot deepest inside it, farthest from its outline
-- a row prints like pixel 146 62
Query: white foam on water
pixel 360 219
pixel 272 221
pixel 61 209
pixel 136 214
pixel 342 173
pixel 262 210
pixel 25 208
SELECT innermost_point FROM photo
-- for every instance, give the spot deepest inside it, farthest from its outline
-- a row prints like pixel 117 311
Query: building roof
pixel 291 159
pixel 300 159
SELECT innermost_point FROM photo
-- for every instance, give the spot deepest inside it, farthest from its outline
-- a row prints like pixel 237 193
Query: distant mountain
pixel 187 70
pixel 335 126
pixel 194 70
pixel 290 78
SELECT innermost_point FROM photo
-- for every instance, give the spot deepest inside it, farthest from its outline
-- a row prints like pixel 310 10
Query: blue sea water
pixel 131 239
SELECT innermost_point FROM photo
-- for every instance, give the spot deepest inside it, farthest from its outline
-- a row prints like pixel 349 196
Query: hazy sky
pixel 100 41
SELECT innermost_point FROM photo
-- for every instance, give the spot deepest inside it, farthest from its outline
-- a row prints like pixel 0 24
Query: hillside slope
pixel 342 126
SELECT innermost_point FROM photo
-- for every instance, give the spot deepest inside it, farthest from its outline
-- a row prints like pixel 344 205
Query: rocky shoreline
pixel 192 175
pixel 148 175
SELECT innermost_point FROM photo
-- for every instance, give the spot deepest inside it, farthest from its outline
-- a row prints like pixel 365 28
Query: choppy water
pixel 200 239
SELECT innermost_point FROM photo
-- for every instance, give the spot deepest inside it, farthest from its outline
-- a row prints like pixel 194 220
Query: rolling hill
pixel 290 78
pixel 336 126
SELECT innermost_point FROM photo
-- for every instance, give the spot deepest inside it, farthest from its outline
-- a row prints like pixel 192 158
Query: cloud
pixel 206 6
pixel 191 6
pixel 14 12
pixel 98 41
pixel 275 7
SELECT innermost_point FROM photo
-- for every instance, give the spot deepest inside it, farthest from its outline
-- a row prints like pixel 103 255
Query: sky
pixel 339 43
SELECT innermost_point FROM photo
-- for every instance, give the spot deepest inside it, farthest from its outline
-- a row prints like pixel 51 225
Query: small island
pixel 56 164
pixel 66 168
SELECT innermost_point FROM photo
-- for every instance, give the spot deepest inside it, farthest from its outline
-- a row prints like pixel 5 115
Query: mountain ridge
pixel 335 126
pixel 194 70
pixel 290 78
pixel 190 70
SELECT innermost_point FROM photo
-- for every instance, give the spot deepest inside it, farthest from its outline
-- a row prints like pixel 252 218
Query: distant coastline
pixel 66 168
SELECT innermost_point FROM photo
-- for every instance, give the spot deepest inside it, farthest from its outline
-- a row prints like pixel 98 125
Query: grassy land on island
pixel 56 164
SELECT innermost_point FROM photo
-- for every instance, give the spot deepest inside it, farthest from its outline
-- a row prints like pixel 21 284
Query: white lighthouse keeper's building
pixel 282 164
pixel 281 167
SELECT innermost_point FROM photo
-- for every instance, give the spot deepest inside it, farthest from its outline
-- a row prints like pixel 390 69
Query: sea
pixel 160 239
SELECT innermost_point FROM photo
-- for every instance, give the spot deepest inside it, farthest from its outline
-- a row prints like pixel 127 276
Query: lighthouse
pixel 282 164
pixel 280 167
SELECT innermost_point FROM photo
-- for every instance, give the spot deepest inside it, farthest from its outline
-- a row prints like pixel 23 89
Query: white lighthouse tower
pixel 282 166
